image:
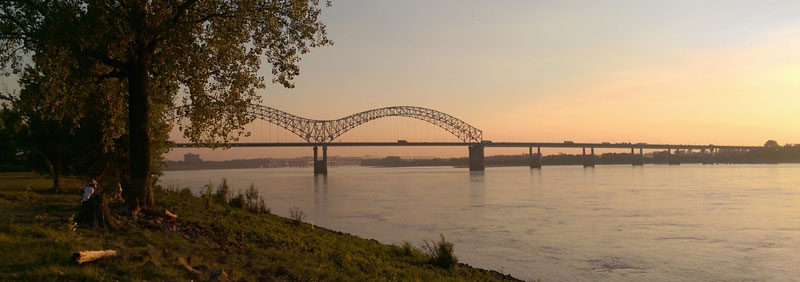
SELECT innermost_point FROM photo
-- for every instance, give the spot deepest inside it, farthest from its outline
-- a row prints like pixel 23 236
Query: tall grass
pixel 222 195
pixel 441 252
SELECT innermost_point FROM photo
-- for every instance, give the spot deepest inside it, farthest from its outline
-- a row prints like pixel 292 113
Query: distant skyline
pixel 703 72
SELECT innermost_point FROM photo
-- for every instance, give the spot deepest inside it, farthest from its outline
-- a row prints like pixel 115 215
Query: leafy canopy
pixel 204 52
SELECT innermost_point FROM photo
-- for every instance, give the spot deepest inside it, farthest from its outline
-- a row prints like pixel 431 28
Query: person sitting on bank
pixel 89 190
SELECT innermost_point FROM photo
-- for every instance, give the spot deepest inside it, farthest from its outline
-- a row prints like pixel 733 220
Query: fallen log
pixel 90 256
pixel 170 214
pixel 163 213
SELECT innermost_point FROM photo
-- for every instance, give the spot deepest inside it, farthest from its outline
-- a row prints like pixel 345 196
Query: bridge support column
pixel 707 158
pixel 714 156
pixel 535 160
pixel 672 160
pixel 637 160
pixel 321 166
pixel 588 161
pixel 476 158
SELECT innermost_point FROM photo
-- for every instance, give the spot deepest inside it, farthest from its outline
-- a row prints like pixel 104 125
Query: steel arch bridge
pixel 325 131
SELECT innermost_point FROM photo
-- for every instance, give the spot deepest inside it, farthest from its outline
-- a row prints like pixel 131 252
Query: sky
pixel 699 72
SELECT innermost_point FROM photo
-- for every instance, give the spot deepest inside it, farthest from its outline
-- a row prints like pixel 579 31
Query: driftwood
pixel 170 214
pixel 90 256
pixel 163 213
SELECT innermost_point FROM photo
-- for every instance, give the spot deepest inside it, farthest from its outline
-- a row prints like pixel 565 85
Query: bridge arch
pixel 324 131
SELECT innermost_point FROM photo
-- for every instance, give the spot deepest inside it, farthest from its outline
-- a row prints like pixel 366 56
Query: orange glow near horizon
pixel 678 72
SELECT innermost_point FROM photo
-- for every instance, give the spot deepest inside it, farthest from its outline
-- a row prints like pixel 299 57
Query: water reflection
pixel 588 176
pixel 320 195
pixel 561 223
pixel 477 188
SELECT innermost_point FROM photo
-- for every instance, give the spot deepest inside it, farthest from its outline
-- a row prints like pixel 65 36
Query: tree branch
pixel 116 73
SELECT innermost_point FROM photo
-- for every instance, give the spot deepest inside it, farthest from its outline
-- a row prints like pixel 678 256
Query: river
pixel 560 223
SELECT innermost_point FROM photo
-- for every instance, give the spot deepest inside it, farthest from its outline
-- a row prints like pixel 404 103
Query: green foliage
pixel 408 249
pixel 296 214
pixel 10 122
pixel 222 194
pixel 207 193
pixel 120 67
pixel 254 202
pixel 237 201
pixel 441 252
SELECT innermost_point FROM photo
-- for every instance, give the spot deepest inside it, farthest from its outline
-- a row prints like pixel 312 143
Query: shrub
pixel 223 192
pixel 237 201
pixel 297 214
pixel 206 193
pixel 185 192
pixel 408 250
pixel 261 207
pixel 253 202
pixel 441 252
pixel 251 195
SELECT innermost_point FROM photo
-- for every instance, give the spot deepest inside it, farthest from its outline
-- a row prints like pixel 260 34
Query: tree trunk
pixel 94 213
pixel 140 190
pixel 55 174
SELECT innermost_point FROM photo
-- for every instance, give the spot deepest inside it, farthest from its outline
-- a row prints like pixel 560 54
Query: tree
pixel 207 52
pixel 9 148
pixel 44 141
pixel 771 144
pixel 64 135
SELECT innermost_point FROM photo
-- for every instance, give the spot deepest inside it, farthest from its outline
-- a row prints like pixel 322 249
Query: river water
pixel 560 223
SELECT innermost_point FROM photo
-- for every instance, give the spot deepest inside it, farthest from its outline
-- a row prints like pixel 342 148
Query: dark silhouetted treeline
pixel 763 155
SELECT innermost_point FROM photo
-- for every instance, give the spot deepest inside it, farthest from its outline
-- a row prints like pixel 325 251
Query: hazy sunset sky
pixel 721 72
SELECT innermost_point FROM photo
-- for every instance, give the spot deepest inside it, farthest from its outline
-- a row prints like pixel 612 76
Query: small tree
pixel 771 144
pixel 47 141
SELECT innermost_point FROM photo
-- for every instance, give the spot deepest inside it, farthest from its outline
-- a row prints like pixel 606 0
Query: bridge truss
pixel 325 131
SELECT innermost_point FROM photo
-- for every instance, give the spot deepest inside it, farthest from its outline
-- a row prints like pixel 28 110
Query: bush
pixel 441 252
pixel 185 192
pixel 408 250
pixel 237 202
pixel 206 193
pixel 223 192
pixel 252 201
pixel 251 195
pixel 297 215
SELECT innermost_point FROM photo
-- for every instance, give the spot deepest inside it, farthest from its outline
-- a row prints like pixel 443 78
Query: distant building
pixel 191 158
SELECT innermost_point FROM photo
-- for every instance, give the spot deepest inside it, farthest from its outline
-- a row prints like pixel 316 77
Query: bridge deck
pixel 493 144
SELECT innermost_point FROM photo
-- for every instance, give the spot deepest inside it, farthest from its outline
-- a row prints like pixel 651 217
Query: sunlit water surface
pixel 560 223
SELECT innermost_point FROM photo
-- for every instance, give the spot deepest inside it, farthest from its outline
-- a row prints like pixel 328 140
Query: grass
pixel 37 238
pixel 441 252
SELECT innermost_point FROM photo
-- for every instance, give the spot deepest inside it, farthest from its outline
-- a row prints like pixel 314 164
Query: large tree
pixel 70 135
pixel 205 52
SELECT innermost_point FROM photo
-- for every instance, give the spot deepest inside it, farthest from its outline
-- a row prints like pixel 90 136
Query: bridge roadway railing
pixel 476 150
pixel 486 144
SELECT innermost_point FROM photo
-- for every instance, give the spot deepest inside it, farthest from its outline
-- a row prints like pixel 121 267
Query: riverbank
pixel 205 241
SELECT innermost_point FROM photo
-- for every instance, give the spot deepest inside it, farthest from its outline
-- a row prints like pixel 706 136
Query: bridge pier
pixel 670 159
pixel 707 158
pixel 588 161
pixel 535 161
pixel 637 160
pixel 321 166
pixel 476 158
